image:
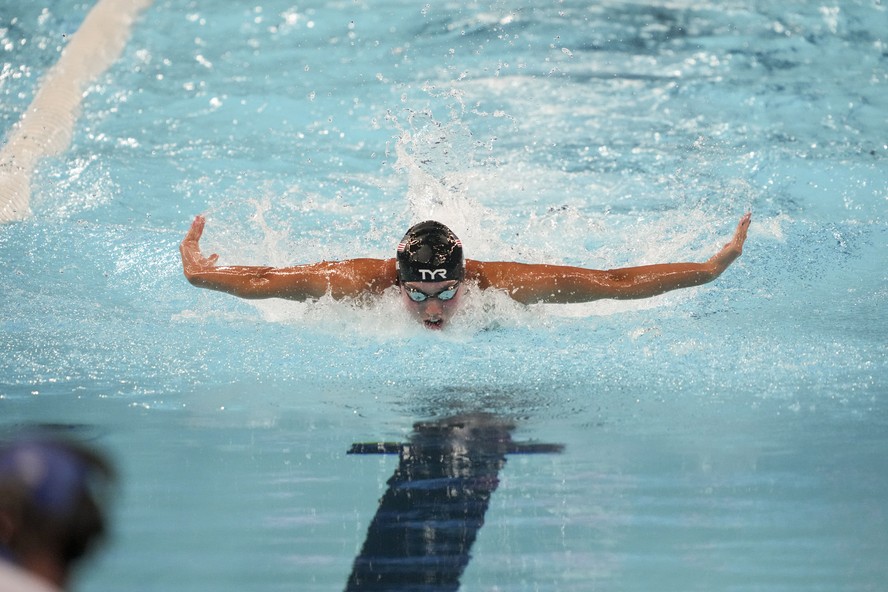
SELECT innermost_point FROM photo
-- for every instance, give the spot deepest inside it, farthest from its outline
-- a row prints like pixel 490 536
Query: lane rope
pixel 46 127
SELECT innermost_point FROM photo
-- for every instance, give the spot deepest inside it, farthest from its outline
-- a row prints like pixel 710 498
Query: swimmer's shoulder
pixel 376 274
pixel 495 274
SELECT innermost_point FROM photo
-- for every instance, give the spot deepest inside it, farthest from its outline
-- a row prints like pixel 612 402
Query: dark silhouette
pixel 429 517
pixel 52 511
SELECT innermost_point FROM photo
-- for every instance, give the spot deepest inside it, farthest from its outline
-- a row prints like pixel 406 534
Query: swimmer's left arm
pixel 529 283
pixel 339 279
pixel 351 278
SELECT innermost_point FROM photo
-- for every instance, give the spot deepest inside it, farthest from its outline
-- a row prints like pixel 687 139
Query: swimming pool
pixel 728 437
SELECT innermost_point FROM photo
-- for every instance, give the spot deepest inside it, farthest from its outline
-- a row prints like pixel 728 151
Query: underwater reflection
pixel 435 503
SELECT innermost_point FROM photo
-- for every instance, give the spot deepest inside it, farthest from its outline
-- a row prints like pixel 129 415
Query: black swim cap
pixel 430 252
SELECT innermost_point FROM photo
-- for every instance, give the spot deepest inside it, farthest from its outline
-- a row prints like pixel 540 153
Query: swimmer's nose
pixel 433 306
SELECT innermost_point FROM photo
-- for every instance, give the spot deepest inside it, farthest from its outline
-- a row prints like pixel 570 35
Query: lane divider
pixel 47 125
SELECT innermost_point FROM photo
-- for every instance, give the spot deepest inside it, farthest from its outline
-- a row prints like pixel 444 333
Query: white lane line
pixel 46 126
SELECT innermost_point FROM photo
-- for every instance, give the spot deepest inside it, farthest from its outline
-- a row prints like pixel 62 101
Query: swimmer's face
pixel 432 303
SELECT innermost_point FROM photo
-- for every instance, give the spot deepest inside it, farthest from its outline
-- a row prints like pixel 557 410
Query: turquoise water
pixel 728 437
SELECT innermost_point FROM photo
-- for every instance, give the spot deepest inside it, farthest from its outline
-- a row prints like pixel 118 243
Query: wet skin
pixel 525 283
pixel 433 312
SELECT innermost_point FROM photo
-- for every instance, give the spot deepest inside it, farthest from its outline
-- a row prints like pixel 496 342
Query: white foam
pixel 46 127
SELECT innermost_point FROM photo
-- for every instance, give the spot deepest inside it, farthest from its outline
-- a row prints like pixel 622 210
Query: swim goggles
pixel 443 295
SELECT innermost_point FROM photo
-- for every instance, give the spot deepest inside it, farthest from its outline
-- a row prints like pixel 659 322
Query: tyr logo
pixel 430 274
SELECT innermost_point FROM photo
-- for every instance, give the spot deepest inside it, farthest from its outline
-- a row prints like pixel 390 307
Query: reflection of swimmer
pixel 50 515
pixel 432 275
pixel 435 503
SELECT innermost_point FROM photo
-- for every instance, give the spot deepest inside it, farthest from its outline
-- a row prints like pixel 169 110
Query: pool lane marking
pixel 47 125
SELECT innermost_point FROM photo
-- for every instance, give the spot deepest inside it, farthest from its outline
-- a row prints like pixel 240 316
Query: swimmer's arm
pixel 341 279
pixel 529 283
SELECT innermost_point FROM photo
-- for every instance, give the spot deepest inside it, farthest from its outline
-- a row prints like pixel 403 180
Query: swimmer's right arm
pixel 341 279
pixel 535 283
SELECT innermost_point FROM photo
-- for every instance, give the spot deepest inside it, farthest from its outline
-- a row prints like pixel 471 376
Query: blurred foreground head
pixel 53 496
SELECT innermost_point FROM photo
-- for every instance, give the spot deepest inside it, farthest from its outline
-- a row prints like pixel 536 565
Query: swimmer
pixel 432 275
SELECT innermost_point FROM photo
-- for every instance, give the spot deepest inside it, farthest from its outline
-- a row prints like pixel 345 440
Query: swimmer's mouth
pixel 433 324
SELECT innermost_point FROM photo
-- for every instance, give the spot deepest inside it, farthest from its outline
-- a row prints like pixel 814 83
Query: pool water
pixel 727 437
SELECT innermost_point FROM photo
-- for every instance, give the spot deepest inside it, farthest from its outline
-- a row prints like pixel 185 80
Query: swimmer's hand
pixel 731 251
pixel 193 261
